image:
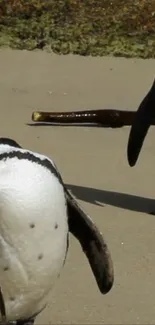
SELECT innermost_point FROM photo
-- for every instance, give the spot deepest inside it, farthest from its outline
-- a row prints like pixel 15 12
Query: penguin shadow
pixel 120 200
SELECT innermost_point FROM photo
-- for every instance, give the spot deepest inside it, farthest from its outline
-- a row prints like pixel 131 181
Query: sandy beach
pixel 93 164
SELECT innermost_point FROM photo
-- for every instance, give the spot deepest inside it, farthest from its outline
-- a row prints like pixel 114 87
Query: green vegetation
pixel 85 27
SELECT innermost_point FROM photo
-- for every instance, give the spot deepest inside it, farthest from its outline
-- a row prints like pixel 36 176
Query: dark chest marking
pixel 32 158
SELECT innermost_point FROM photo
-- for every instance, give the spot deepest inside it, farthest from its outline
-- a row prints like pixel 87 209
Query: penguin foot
pixel 20 322
pixel 25 322
pixel 152 213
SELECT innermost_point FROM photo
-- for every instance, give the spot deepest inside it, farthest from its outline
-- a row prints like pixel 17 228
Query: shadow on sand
pixel 120 200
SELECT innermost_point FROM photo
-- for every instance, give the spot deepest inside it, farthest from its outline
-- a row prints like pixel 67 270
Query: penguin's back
pixel 33 230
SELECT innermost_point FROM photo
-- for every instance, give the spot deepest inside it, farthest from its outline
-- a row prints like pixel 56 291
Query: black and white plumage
pixel 36 214
pixel 142 121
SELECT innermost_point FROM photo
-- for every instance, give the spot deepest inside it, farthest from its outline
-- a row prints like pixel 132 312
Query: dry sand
pixel 93 164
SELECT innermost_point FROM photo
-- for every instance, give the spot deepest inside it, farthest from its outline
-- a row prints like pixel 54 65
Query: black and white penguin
pixel 36 214
pixel 142 121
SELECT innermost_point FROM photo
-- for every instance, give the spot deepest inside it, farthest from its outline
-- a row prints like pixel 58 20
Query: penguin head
pixel 142 121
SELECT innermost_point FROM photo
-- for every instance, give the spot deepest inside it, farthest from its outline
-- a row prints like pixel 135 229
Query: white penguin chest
pixel 33 236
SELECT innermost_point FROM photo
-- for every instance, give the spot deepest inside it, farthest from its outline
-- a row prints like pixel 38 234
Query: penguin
pixel 37 212
pixel 140 126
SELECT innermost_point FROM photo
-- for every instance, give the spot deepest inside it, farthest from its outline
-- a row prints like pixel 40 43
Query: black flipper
pixel 93 244
pixel 140 126
pixel 2 307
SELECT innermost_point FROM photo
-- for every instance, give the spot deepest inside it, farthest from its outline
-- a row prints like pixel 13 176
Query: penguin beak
pixel 142 121
pixel 92 243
